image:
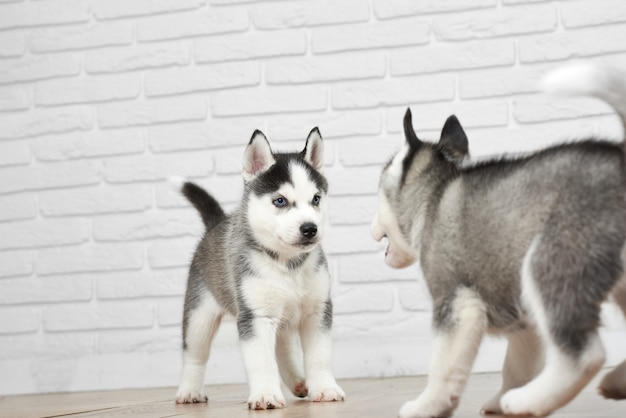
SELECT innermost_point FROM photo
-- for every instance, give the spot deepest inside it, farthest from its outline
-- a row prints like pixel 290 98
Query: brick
pixel 36 234
pixel 153 168
pixel 49 176
pixel 173 109
pixel 12 44
pixel 360 299
pixel 171 253
pixel 90 258
pixel 251 101
pixel 138 57
pixel 592 13
pixel 415 296
pixel 542 109
pixel 393 91
pixel 90 35
pixel 46 346
pixel 46 290
pixel 141 285
pixel 88 89
pixel 370 268
pixel 14 153
pixel 203 135
pixel 229 160
pixel 402 32
pixel 368 151
pixel 385 9
pixel 308 13
pixel 353 181
pixel 350 239
pixel 78 145
pixel 326 68
pixel 202 77
pixel 45 121
pixel 146 226
pixel 433 116
pixel 139 341
pixel 104 315
pixel 496 22
pixel 501 82
pixel 17 207
pixel 170 313
pixel 39 67
pixel 19 320
pixel 197 23
pixel 250 46
pixel 331 125
pixel 14 98
pixel 96 200
pixel 39 13
pixel 16 263
pixel 107 9
pixel 352 210
pixel 573 44
pixel 516 2
pixel 447 57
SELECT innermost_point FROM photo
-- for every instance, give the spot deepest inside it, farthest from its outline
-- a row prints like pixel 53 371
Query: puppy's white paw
pixel 613 385
pixel 191 395
pixel 492 406
pixel 426 407
pixel 521 402
pixel 266 400
pixel 329 393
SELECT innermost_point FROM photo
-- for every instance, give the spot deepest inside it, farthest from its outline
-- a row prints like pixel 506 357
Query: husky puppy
pixel 524 247
pixel 264 265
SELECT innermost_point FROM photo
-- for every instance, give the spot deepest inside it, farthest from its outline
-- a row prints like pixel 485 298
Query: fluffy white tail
pixel 604 83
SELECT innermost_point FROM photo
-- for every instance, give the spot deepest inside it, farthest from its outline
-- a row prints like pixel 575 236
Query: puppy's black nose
pixel 308 230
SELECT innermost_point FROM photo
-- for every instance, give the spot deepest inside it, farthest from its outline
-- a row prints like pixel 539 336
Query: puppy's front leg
pixel 317 346
pixel 455 347
pixel 258 345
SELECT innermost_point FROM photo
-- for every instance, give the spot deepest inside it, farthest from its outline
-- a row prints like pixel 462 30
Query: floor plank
pixel 366 398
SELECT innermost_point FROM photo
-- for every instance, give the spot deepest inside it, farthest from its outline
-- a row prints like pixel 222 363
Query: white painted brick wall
pixel 101 100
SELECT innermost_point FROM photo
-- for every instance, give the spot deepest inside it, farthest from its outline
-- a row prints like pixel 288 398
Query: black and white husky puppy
pixel 525 247
pixel 264 265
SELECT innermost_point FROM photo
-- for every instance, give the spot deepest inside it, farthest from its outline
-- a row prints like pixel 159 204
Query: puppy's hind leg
pixel 566 319
pixel 200 324
pixel 455 347
pixel 613 385
pixel 523 361
pixel 290 361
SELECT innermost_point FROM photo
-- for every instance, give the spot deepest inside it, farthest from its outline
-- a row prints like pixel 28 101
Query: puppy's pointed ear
pixel 257 157
pixel 409 133
pixel 314 150
pixel 453 141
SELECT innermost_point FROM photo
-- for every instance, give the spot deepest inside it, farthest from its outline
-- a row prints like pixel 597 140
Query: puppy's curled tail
pixel 586 79
pixel 210 210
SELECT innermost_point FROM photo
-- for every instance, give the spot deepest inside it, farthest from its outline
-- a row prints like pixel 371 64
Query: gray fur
pixel 479 221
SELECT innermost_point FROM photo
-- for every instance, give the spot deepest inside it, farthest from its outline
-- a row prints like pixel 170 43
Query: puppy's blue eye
pixel 280 202
pixel 316 200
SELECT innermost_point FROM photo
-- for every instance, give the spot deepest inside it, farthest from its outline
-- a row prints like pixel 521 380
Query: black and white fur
pixel 264 265
pixel 525 247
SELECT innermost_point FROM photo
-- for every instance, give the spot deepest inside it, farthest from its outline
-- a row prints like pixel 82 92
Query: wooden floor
pixel 365 398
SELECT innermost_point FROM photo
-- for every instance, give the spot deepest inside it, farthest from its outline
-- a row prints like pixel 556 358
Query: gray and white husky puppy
pixel 525 247
pixel 264 265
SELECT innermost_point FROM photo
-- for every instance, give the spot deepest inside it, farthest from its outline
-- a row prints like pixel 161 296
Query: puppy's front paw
pixel 191 395
pixel 428 407
pixel 327 393
pixel 266 401
pixel 521 402
pixel 613 385
pixel 492 406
